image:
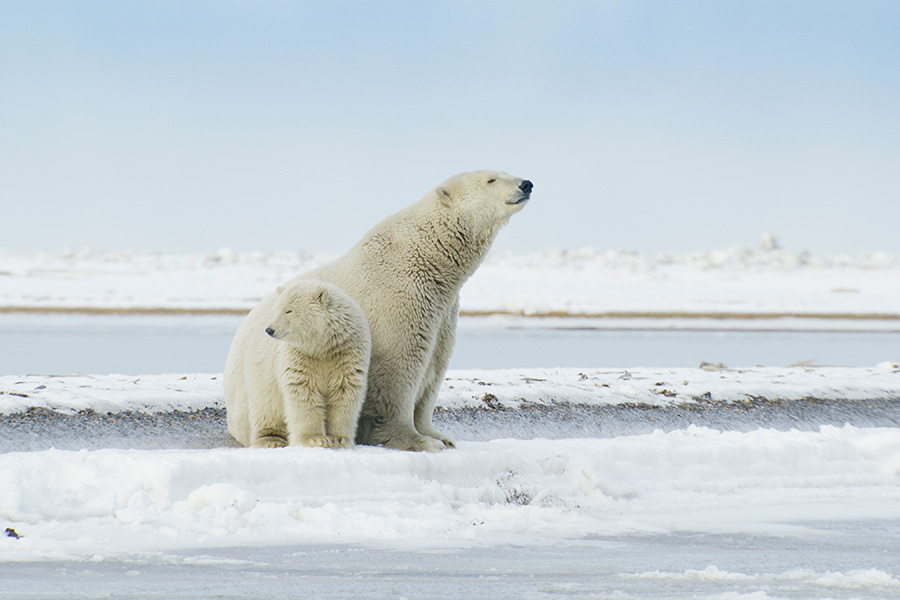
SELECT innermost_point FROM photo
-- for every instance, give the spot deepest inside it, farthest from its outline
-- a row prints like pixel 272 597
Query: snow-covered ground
pixel 703 482
pixel 507 389
pixel 627 479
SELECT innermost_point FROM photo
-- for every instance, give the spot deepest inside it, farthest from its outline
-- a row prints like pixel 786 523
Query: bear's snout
pixel 526 186
pixel 270 331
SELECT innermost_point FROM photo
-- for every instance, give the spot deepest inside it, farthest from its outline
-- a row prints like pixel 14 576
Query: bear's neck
pixel 450 251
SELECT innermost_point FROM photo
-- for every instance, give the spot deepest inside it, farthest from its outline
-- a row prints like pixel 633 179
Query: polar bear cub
pixel 297 369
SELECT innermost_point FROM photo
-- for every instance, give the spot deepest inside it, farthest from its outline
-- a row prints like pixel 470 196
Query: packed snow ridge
pixel 501 389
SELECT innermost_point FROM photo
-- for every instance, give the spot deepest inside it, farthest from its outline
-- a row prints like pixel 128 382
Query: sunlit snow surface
pixel 687 482
pixel 114 502
pixel 576 483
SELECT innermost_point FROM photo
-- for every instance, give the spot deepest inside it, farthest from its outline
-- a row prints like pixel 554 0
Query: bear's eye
pixel 287 312
pixel 491 180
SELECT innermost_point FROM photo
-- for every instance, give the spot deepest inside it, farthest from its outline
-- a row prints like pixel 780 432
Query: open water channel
pixel 58 344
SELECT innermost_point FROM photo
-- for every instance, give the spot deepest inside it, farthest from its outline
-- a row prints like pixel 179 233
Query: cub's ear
pixel 444 196
pixel 322 297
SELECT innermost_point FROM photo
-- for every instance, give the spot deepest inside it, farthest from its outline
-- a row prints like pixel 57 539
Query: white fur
pixel 296 370
pixel 406 274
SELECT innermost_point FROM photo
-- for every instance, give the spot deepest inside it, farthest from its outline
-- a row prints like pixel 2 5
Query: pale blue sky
pixel 655 126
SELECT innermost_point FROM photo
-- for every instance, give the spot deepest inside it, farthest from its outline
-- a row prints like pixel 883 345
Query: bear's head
pixel 310 314
pixel 488 198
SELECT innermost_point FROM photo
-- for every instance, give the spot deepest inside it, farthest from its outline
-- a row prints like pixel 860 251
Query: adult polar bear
pixel 406 274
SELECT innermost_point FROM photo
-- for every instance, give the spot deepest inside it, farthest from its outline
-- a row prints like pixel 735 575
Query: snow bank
pixel 128 504
pixel 732 282
pixel 110 393
pixel 851 580
pixel 494 389
pixel 85 504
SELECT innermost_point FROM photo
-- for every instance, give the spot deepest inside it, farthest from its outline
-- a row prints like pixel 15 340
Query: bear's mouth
pixel 521 199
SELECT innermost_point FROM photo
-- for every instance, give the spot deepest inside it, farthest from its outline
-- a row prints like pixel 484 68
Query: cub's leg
pixel 343 405
pixel 304 406
pixel 305 414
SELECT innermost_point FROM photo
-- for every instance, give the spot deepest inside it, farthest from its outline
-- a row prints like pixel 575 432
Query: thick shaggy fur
pixel 406 274
pixel 296 371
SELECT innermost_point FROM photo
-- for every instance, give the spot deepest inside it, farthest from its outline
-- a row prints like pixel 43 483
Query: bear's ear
pixel 322 297
pixel 444 196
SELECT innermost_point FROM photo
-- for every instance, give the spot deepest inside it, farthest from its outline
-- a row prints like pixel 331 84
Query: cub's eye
pixel 491 180
pixel 287 312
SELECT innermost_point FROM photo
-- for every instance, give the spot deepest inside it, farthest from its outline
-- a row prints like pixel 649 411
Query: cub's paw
pixel 337 441
pixel 326 441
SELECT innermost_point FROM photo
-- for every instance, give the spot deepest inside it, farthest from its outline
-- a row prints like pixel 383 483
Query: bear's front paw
pixel 419 443
pixel 448 442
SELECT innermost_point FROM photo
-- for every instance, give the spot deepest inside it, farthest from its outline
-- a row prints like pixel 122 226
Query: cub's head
pixel 489 197
pixel 309 313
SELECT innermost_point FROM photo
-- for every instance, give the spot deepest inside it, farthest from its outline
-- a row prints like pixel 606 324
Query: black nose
pixel 526 186
pixel 270 331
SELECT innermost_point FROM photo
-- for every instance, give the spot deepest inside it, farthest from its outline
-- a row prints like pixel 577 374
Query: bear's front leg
pixel 434 377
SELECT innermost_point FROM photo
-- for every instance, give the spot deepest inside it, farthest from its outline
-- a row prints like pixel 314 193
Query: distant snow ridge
pixel 765 282
pixel 768 254
pixel 85 260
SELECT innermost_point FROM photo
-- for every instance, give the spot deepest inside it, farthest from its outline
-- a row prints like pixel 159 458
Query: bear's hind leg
pixel 394 433
pixel 391 424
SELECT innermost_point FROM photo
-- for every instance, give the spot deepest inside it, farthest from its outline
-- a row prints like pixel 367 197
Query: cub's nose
pixel 526 186
pixel 270 331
